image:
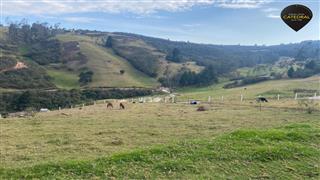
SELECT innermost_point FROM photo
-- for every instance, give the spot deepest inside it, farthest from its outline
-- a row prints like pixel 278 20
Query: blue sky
pixel 244 22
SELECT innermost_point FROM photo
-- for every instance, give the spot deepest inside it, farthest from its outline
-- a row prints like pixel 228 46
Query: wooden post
pixel 296 96
pixel 59 108
pixel 278 97
pixel 82 105
pixel 173 99
pixel 315 94
pixel 241 98
pixel 260 105
pixel 222 98
pixel 209 99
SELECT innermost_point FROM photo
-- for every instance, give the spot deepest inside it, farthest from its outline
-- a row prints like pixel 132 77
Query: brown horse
pixel 109 105
pixel 122 106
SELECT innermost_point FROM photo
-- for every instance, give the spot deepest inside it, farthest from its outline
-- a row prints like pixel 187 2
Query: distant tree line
pixel 35 41
pixel 231 57
pixel 246 81
pixel 310 68
pixel 190 78
pixel 36 99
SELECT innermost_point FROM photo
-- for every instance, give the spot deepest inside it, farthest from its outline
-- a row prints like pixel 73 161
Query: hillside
pixel 106 65
pixel 64 56
pixel 67 59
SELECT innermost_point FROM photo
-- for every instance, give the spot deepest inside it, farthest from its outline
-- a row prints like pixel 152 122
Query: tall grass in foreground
pixel 290 152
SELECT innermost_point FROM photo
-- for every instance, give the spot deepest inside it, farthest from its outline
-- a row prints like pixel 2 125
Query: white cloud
pixel 273 16
pixel 270 9
pixel 43 7
pixel 239 4
pixel 80 19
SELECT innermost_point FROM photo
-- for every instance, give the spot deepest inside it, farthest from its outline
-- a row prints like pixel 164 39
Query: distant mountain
pixel 235 56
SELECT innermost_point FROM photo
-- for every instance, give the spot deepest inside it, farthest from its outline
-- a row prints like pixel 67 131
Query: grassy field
pixel 63 79
pixel 290 152
pixel 164 140
pixel 269 89
pixel 106 65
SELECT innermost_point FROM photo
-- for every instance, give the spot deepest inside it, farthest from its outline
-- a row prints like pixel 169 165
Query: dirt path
pixel 19 65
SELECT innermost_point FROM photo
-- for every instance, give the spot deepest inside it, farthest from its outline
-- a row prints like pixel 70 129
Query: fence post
pixel 241 98
pixel 59 108
pixel 209 99
pixel 222 98
pixel 296 96
pixel 315 94
pixel 278 97
pixel 82 105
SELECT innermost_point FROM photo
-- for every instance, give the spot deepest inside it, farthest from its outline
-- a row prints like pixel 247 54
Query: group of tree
pixel 36 99
pixel 109 42
pixel 247 81
pixel 189 78
pixel 85 77
pixel 310 68
pixel 23 32
pixel 139 57
pixel 174 56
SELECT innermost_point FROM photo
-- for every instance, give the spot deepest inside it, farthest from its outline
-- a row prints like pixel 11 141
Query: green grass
pixel 63 79
pixel 268 89
pixel 261 70
pixel 106 65
pixel 232 139
pixel 290 152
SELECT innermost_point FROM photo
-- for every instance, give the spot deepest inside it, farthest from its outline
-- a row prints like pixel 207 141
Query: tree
pixel 85 77
pixel 207 76
pixel 174 56
pixel 290 72
pixel 25 100
pixel 311 65
pixel 109 42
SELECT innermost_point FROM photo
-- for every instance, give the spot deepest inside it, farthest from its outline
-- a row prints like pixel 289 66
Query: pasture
pixel 232 139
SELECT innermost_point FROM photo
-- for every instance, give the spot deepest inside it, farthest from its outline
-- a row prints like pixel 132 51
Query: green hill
pixel 60 58
pixel 106 65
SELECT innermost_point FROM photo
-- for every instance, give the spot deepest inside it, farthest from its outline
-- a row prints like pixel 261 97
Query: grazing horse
pixel 262 99
pixel 122 106
pixel 109 105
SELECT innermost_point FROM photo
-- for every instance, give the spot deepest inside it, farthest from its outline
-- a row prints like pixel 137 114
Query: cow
pixel 262 99
pixel 109 105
